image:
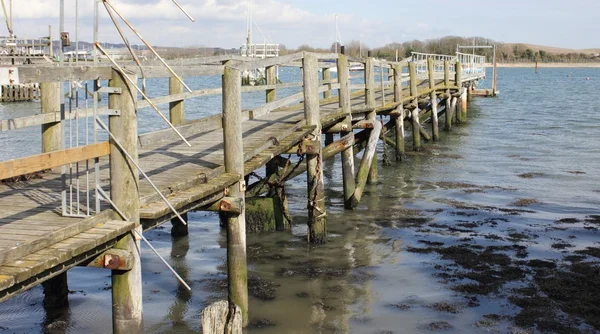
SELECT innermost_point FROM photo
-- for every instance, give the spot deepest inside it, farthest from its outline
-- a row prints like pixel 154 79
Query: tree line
pixel 506 53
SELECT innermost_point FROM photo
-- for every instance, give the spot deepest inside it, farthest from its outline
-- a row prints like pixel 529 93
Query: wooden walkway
pixel 38 243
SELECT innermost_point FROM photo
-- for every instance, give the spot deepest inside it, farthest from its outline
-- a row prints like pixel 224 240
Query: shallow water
pixel 369 278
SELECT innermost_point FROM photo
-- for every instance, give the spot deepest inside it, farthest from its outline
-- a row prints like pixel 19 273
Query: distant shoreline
pixel 547 65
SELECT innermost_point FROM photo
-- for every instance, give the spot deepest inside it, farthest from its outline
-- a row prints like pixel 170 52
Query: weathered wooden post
pixel 372 114
pixel 327 94
pixel 317 217
pixel 177 117
pixel 347 154
pixel 399 117
pixel 51 132
pixel 415 113
pixel 56 290
pixel 271 73
pixel 434 101
pixel 176 111
pixel 458 79
pixel 237 271
pixel 327 79
pixel 448 112
pixel 124 192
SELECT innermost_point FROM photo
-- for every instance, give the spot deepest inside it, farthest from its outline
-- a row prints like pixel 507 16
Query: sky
pixel 222 23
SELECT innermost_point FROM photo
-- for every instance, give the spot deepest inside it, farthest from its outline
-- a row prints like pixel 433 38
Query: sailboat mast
pixel 249 24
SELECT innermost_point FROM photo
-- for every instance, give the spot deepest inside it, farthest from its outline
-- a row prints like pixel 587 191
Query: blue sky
pixel 568 24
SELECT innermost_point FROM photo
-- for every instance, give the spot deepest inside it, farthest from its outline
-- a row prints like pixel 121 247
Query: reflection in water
pixel 177 311
pixel 58 320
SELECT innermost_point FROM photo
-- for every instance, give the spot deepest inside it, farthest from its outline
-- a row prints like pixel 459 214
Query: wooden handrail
pixel 40 162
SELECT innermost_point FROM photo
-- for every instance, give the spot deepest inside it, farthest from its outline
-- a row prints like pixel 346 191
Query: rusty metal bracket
pixel 114 259
pixel 310 147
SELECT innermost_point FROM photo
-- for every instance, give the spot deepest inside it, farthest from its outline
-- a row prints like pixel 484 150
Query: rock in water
pixel 216 319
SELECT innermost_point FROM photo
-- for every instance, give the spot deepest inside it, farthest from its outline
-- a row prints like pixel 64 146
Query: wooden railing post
pixel 399 118
pixel 458 79
pixel 372 114
pixel 327 94
pixel 416 131
pixel 56 290
pixel 237 269
pixel 271 73
pixel 317 218
pixel 124 192
pixel 347 154
pixel 176 111
pixel 51 132
pixel 448 112
pixel 327 78
pixel 434 102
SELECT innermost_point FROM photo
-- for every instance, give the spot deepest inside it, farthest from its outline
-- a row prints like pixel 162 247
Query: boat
pixel 265 50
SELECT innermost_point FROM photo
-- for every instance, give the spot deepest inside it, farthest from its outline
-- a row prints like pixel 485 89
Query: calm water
pixel 364 280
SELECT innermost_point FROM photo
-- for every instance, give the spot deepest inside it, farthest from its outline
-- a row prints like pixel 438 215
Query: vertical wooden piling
pixel 178 229
pixel 399 118
pixel 372 114
pixel 177 117
pixel 317 218
pixel 415 113
pixel 56 291
pixel 271 73
pixel 237 270
pixel 124 192
pixel 176 111
pixel 448 112
pixel 51 132
pixel 347 154
pixel 458 80
pixel 434 101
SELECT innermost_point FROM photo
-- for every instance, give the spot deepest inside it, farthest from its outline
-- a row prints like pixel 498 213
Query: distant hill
pixel 551 49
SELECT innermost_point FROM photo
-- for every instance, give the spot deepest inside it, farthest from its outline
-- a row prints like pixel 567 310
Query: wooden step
pixel 32 269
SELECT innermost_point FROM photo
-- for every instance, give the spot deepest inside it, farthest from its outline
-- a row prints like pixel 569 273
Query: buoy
pixel 587 78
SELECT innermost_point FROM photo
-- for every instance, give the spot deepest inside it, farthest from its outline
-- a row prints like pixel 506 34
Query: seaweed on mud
pixel 562 245
pixel 431 243
pixel 261 288
pixel 445 307
pixel 399 306
pixel 518 236
pixel 438 326
pixel 591 251
pixel 522 202
pixel 593 219
pixel 302 295
pixel 531 175
pixel 537 263
pixel 560 298
pixel 574 258
pixel 469 225
pixel 418 250
pixel 313 272
pixel 576 172
pixel 261 323
pixel 567 221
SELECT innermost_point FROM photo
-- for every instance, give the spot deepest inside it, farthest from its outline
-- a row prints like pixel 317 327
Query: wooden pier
pixel 47 227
